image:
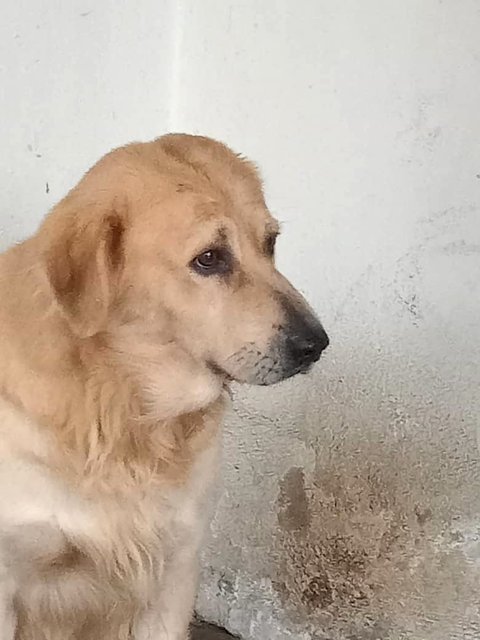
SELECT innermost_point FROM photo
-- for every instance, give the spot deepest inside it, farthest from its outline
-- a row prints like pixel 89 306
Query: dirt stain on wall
pixel 379 549
pixel 294 508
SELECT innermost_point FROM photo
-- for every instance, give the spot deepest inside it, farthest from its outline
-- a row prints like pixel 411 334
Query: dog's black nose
pixel 304 337
pixel 307 345
pixel 310 346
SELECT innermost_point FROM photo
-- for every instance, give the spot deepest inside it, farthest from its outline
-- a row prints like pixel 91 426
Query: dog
pixel 145 292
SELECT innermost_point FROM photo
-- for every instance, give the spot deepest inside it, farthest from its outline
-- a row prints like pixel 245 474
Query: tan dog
pixel 145 291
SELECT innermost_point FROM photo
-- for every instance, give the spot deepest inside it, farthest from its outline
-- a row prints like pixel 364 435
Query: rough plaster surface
pixel 351 506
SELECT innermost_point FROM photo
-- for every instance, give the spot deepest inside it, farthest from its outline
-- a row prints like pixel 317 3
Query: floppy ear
pixel 84 261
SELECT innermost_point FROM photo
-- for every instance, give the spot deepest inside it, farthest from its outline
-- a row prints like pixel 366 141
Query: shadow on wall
pixel 203 631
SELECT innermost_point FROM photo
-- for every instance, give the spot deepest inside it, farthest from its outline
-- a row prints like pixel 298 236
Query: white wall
pixel 77 78
pixel 351 504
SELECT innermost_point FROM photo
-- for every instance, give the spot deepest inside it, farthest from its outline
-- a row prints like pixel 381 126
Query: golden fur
pixel 114 358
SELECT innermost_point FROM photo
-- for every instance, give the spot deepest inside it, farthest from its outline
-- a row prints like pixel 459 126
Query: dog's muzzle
pixel 295 346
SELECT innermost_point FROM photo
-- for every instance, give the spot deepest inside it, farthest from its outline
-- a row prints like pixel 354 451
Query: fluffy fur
pixel 115 355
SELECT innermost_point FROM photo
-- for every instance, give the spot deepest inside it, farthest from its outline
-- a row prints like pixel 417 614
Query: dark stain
pixel 318 592
pixel 346 557
pixel 225 587
pixel 423 514
pixel 294 511
pixel 47 188
pixel 461 248
pixel 380 547
pixel 323 573
pixel 411 304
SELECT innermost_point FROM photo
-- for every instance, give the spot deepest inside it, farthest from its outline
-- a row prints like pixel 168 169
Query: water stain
pixel 374 535
pixel 293 511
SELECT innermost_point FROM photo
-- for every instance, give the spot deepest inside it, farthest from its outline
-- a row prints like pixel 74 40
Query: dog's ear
pixel 84 259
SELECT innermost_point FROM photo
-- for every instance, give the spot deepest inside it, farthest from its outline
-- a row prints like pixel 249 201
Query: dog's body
pixel 145 290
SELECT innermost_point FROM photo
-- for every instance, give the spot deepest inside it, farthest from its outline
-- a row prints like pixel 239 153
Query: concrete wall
pixel 351 505
pixel 77 78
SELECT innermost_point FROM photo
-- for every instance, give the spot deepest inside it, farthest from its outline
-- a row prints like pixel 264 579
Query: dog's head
pixel 171 241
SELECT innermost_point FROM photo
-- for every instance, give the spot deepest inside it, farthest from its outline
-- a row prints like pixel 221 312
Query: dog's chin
pixel 267 379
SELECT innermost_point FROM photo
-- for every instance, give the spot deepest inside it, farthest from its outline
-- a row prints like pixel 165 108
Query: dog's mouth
pixel 302 369
pixel 227 378
pixel 221 373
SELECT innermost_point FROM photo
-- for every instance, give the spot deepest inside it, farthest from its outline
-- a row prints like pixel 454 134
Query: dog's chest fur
pixel 84 561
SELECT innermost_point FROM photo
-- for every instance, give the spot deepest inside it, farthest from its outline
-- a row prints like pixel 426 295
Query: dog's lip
pixel 227 379
pixel 218 371
pixel 306 369
pixel 302 369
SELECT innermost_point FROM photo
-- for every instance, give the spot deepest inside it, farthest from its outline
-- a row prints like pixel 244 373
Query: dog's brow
pixel 222 234
pixel 219 237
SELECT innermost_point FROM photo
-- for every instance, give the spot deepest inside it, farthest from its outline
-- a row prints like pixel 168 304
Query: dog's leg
pixel 170 612
pixel 169 617
pixel 21 546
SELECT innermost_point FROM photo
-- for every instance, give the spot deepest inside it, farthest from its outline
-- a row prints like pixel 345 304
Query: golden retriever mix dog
pixel 147 290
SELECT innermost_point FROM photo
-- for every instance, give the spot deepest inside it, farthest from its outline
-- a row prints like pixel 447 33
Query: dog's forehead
pixel 234 215
pixel 233 203
pixel 193 181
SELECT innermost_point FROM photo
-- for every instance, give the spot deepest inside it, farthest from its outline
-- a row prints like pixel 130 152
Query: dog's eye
pixel 269 246
pixel 212 262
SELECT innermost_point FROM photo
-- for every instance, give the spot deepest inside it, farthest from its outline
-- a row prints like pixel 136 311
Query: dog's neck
pixel 80 391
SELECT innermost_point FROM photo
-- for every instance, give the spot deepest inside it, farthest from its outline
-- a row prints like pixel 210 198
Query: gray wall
pixel 351 505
